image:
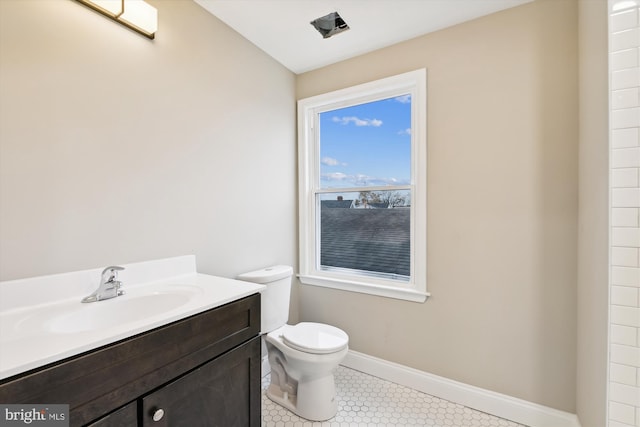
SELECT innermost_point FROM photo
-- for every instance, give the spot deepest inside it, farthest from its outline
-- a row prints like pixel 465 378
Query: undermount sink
pixel 125 309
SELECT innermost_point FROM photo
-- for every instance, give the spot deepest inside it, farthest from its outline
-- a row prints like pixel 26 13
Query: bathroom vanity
pixel 199 368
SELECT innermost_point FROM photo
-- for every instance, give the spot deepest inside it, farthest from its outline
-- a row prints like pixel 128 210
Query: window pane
pixel 367 232
pixel 366 144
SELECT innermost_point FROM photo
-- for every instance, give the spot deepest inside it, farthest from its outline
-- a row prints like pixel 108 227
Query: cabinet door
pixel 127 416
pixel 224 392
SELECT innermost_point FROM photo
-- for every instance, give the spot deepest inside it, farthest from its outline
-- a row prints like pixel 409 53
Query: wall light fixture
pixel 135 14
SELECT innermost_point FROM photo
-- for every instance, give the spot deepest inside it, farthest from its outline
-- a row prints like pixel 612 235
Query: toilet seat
pixel 315 338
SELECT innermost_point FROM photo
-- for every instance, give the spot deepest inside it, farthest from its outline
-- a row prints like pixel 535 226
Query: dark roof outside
pixel 344 204
pixel 366 239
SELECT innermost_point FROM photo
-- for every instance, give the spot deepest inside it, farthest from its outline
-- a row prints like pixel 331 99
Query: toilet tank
pixel 274 299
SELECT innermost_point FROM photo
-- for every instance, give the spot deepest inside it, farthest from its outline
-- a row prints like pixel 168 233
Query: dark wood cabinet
pixel 123 417
pixel 200 371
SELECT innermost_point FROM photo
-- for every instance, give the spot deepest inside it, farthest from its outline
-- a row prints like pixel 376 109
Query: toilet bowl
pixel 303 357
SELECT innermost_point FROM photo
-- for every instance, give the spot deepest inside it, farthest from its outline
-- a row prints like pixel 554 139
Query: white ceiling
pixel 282 27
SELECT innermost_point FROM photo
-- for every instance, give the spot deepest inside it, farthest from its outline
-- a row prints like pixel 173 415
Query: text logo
pixel 34 415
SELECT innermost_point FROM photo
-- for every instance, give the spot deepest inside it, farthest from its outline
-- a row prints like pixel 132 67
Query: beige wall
pixel 593 253
pixel 503 207
pixel 117 149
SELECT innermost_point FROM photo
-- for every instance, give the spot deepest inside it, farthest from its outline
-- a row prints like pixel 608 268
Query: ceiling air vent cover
pixel 330 25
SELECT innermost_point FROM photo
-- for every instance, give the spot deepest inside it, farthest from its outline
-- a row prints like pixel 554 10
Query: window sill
pixel 366 288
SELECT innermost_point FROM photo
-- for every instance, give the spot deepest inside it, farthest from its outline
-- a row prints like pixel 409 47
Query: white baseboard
pixel 499 405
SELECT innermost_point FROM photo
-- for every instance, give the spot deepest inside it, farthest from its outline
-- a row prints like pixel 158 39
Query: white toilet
pixel 303 357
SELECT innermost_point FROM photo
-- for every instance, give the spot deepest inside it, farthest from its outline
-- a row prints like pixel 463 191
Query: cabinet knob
pixel 158 414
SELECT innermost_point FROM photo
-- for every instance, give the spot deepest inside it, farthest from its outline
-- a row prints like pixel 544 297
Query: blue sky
pixel 367 144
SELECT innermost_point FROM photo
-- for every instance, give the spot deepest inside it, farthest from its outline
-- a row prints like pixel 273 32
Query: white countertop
pixel 42 319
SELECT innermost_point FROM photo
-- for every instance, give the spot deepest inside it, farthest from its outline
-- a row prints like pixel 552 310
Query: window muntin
pixel 389 258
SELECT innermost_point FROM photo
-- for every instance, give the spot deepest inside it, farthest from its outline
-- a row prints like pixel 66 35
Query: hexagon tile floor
pixel 367 401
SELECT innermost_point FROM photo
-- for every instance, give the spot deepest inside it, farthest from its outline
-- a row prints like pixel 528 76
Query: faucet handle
pixel 110 273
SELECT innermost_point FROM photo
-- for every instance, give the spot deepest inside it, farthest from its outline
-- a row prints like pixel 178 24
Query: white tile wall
pixel 624 295
pixel 626 237
pixel 624 177
pixel 625 157
pixel 625 197
pixel 624 332
pixel 624 59
pixel 621 138
pixel 624 98
pixel 625 257
pixel 621 79
pixel 624 218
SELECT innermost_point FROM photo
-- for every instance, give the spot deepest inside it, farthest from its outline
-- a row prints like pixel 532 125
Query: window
pixel 362 182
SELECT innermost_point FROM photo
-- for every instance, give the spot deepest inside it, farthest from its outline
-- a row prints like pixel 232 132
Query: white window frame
pixel 414 83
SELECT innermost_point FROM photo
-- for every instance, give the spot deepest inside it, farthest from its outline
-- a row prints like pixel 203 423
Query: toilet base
pixel 315 399
pixel 282 398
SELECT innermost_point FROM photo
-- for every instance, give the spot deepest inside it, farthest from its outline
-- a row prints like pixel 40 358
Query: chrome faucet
pixel 109 285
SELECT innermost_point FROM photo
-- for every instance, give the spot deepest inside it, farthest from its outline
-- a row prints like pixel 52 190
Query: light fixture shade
pixel 111 7
pixel 141 15
pixel 134 14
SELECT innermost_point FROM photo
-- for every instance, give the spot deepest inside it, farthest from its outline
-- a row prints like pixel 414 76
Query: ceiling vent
pixel 330 25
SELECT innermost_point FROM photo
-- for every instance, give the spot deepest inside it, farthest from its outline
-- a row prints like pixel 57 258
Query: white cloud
pixel 357 121
pixel 404 99
pixel 369 180
pixel 329 161
pixel 406 131
pixel 361 179
pixel 335 176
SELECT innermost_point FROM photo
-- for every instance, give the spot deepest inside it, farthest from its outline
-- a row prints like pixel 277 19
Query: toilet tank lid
pixel 267 275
